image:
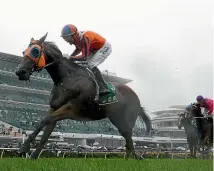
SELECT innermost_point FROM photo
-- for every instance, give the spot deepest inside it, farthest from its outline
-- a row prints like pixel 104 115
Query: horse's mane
pixel 53 50
pixel 51 47
pixel 197 109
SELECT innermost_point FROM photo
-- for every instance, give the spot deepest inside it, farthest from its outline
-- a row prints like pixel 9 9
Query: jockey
pixel 188 108
pixel 94 48
pixel 206 103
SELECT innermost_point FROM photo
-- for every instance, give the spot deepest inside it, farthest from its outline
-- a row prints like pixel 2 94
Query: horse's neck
pixel 54 73
pixel 62 69
pixel 185 127
pixel 198 114
pixel 188 126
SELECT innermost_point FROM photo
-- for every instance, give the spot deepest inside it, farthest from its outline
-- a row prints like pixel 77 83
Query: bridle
pixel 36 67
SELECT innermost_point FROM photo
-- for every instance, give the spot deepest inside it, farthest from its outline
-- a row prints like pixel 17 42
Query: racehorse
pixel 205 124
pixel 191 132
pixel 73 93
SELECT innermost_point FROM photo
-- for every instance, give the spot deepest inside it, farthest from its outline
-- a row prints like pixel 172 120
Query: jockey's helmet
pixel 199 98
pixel 188 108
pixel 68 30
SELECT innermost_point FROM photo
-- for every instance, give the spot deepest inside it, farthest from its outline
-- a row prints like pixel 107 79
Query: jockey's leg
pixel 102 84
pixel 97 59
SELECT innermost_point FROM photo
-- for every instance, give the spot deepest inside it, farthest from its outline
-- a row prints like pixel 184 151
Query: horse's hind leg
pixel 130 152
pixel 125 125
pixel 206 139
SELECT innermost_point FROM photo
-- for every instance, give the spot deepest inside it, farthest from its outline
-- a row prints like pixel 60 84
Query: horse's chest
pixel 58 97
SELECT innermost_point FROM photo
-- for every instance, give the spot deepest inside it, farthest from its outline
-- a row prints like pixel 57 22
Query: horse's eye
pixel 35 52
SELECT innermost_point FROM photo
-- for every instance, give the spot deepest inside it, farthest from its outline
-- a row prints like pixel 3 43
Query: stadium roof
pixel 10 57
pixel 178 106
pixel 169 110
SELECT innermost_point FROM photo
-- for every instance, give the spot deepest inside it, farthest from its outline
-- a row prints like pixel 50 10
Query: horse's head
pixel 194 110
pixel 38 55
pixel 182 117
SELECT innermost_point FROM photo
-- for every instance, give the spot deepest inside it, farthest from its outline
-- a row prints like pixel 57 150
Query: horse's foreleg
pixel 60 114
pixel 48 130
pixel 25 148
pixel 194 151
pixel 55 116
pixel 191 150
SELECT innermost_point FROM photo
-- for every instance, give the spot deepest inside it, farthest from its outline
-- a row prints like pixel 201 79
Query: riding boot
pixel 100 81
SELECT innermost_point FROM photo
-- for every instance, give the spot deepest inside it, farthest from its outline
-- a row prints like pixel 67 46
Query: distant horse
pixel 191 132
pixel 73 94
pixel 205 125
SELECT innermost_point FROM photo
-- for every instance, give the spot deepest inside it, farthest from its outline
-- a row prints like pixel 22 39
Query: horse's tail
pixel 146 119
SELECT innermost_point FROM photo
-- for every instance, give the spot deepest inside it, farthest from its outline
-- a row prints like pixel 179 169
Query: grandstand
pixel 166 122
pixel 24 104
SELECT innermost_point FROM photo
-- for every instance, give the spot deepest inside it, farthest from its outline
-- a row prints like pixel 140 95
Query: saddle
pixel 108 98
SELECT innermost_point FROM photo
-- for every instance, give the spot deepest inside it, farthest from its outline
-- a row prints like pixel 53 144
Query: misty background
pixel 165 47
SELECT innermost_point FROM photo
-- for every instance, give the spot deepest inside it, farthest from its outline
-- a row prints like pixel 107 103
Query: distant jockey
pixel 94 48
pixel 188 107
pixel 207 104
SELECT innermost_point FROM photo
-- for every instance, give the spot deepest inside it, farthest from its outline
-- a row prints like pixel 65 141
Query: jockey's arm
pixel 85 49
pixel 75 52
pixel 209 107
pixel 210 111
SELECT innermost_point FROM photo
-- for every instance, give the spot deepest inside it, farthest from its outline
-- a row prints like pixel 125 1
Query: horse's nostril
pixel 20 72
pixel 17 72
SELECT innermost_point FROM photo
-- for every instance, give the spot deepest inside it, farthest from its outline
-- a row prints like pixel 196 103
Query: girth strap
pixel 91 74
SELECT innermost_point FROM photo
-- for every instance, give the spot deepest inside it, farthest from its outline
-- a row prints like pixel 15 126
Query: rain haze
pixel 165 47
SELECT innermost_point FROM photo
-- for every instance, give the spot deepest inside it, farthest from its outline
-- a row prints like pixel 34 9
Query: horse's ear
pixel 31 40
pixel 194 106
pixel 42 39
pixel 179 114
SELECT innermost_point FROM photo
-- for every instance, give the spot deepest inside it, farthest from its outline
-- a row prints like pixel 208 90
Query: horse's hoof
pixel 134 156
pixel 33 156
pixel 141 158
pixel 24 149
